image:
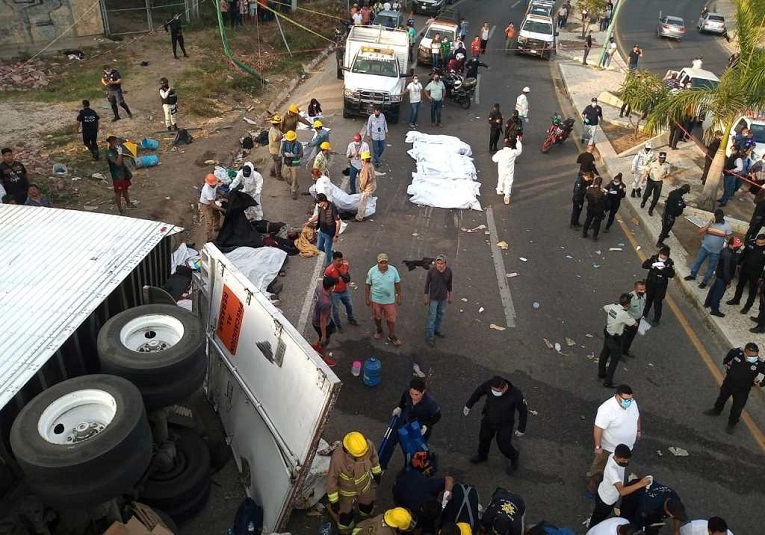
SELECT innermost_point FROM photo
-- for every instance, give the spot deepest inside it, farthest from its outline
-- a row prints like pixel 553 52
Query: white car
pixel 447 30
pixel 712 23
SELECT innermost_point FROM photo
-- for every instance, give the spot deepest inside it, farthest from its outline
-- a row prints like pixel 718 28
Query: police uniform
pixel 752 262
pixel 577 198
pixel 739 380
pixel 616 319
pixel 89 119
pixel 499 419
pixel 656 284
pixel 504 515
pixel 114 92
pixel 656 172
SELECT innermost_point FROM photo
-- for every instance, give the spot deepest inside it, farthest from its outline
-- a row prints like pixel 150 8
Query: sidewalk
pixel 584 82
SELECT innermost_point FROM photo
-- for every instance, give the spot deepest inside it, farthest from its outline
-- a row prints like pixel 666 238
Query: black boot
pixel 632 193
pixel 638 192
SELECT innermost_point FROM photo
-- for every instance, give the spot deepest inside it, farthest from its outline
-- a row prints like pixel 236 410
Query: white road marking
pixel 476 97
pixel 306 310
pixel 491 32
pixel 499 267
pixel 515 4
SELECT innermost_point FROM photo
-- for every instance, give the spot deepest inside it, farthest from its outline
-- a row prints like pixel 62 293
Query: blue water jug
pixel 148 160
pixel 372 371
pixel 149 143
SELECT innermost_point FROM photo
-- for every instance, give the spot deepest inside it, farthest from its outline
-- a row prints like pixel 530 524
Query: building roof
pixel 56 267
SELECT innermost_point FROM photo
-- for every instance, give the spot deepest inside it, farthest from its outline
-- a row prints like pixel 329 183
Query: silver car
pixel 669 26
pixel 712 23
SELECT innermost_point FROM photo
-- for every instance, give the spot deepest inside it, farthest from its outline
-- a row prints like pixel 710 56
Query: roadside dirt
pixel 622 138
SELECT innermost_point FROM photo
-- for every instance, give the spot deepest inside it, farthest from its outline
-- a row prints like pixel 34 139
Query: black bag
pixel 248 512
pixel 247 142
pixel 263 138
pixel 182 138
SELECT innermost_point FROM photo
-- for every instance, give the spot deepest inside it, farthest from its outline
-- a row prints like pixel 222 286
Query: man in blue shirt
pixel 715 233
pixel 383 294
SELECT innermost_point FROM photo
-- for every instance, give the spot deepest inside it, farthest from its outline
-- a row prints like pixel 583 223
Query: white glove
pixel 396 412
pixel 423 430
pixel 119 150
pixel 465 410
pixel 445 499
pixel 518 433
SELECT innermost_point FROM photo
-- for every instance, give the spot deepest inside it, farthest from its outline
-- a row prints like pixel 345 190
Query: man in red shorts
pixel 121 175
pixel 383 294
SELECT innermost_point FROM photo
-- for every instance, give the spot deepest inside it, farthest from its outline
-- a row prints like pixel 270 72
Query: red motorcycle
pixel 558 132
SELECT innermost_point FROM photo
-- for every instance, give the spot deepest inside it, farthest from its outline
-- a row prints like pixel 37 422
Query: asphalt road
pixel 636 24
pixel 571 279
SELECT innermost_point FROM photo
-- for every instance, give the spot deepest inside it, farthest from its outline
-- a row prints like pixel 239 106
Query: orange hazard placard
pixel 230 319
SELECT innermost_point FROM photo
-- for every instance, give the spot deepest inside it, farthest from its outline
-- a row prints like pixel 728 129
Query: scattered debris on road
pixel 678 452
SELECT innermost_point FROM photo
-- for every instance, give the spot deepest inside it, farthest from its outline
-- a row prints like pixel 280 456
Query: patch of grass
pixel 70 85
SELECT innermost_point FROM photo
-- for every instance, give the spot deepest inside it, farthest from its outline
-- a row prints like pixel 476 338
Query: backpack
pixel 248 512
pixel 263 138
pixel 247 142
pixel 182 137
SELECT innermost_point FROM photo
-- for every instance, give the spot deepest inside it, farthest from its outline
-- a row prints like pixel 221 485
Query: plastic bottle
pixel 356 368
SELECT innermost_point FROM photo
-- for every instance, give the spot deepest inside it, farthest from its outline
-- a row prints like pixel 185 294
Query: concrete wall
pixel 25 22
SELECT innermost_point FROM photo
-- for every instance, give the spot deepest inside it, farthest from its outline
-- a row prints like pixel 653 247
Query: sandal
pixel 395 341
pixel 377 335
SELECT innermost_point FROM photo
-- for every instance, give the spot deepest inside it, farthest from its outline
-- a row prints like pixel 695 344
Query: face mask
pixel 415 80
pixel 752 360
pixel 617 182
pixel 623 464
pixel 625 403
pixel 495 393
pixel 663 258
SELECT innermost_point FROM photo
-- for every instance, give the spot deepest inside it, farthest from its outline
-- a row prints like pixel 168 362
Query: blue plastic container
pixel 149 160
pixel 372 368
pixel 149 143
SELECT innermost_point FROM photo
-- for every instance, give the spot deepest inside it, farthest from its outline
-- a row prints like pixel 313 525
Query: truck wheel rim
pixel 151 333
pixel 77 417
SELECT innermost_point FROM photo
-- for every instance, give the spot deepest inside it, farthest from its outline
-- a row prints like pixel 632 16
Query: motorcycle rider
pixel 471 67
pixel 639 163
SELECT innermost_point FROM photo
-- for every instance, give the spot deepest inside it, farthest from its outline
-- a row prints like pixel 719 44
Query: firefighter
pixel 391 522
pixel 354 472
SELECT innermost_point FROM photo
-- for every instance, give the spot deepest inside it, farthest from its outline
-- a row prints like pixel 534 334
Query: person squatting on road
pixel 615 192
pixel 660 268
pixel 438 292
pixel 725 271
pixel 617 318
pixel 383 294
pixel 208 208
pixel 291 154
pixel 340 269
pixel 673 208
pixel 617 421
pixel 649 507
pixel 169 103
pixel 391 522
pixel 502 401
pixel 88 121
pixel 367 184
pixel 640 163
pixel 596 208
pixel 655 173
pixel 505 514
pixel 112 81
pixel 505 160
pixel 175 28
pixel 321 319
pixel 744 371
pixel 353 476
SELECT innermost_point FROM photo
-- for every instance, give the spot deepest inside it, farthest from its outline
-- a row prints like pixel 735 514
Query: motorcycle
pixel 558 132
pixel 459 89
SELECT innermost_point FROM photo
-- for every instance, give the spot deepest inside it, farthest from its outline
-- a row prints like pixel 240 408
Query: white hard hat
pixel 526 89
pixel 648 145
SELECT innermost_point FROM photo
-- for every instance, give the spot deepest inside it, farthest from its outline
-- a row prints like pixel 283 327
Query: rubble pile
pixel 22 76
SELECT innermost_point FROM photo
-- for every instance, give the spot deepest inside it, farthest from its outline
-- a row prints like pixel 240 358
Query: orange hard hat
pixel 211 180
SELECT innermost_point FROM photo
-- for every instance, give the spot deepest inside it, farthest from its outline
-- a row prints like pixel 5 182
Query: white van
pixel 536 36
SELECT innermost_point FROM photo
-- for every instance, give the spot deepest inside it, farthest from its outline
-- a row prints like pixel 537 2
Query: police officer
pixel 88 118
pixel 174 26
pixel 583 181
pixel 615 192
pixel 660 268
pixel 656 172
pixel 673 208
pixel 617 317
pixel 495 126
pixel 637 306
pixel 502 400
pixel 112 81
pixel 505 514
pixel 745 371
pixel 752 263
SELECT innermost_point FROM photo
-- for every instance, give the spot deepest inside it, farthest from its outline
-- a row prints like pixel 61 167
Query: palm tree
pixel 641 91
pixel 740 89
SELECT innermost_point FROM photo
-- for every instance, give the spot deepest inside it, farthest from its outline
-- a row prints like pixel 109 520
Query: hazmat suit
pixel 252 185
pixel 505 160
pixel 640 163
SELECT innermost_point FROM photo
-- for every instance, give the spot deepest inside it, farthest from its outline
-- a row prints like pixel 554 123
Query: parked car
pixel 428 7
pixel 536 36
pixel 543 8
pixel 389 19
pixel 669 26
pixel 712 23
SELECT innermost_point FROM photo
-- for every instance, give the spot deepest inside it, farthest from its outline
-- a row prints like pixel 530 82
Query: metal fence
pixel 123 17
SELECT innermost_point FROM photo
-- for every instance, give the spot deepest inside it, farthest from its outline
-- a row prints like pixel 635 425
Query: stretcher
pixel 408 436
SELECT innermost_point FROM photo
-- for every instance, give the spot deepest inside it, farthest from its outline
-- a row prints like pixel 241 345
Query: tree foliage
pixel 594 9
pixel 740 89
pixel 643 90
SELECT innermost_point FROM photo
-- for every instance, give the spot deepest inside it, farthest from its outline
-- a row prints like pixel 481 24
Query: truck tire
pixel 83 441
pixel 151 344
pixel 184 489
pixel 177 391
pixel 393 115
pixel 346 113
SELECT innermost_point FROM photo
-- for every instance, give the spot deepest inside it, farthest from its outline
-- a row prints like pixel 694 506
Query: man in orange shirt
pixel 509 36
pixel 339 269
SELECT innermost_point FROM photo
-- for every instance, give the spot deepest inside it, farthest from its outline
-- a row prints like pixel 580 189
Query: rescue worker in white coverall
pixel 505 160
pixel 252 185
pixel 640 163
pixel 354 472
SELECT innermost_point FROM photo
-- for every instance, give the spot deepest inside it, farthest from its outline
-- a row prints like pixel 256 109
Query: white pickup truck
pixel 91 376
pixel 376 65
